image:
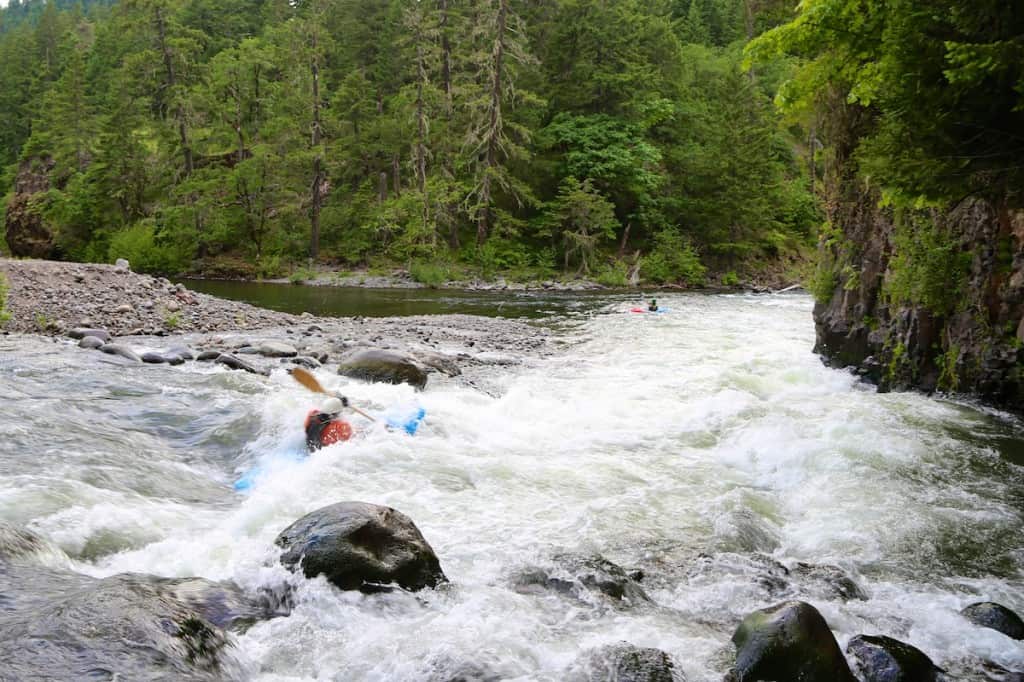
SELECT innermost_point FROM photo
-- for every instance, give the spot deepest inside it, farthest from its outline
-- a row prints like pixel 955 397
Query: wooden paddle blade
pixel 307 380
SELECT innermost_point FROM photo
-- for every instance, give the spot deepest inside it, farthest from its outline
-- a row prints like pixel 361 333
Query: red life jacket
pixel 323 429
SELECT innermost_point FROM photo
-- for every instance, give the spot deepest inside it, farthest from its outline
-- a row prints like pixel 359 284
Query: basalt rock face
pixel 972 344
pixel 26 234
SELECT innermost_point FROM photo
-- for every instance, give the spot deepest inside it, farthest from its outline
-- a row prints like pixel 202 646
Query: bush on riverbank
pixel 4 315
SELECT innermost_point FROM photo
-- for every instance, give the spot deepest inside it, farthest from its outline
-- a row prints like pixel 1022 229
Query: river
pixel 690 444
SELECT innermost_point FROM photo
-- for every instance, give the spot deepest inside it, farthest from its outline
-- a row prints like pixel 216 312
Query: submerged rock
pixel 385 367
pixel 580 575
pixel 624 662
pixel 121 350
pixel 788 641
pixel 884 659
pixel 827 582
pixel 989 614
pixel 121 627
pixel 361 546
pixel 232 362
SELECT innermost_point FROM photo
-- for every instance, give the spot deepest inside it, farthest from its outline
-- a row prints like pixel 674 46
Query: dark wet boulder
pixel 884 659
pixel 788 641
pixel 120 350
pixel 153 358
pixel 303 361
pixel 82 332
pixel 827 582
pixel 386 367
pixel 173 358
pixel 232 362
pixel 624 662
pixel 208 355
pixel 90 342
pixel 223 604
pixel 361 546
pixel 989 614
pixel 580 576
pixel 123 627
pixel 184 352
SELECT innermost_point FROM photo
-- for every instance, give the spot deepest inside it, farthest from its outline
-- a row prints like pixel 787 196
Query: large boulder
pixel 788 641
pixel 361 546
pixel 121 350
pixel 383 367
pixel 989 614
pixel 624 662
pixel 121 627
pixel 884 659
pixel 583 577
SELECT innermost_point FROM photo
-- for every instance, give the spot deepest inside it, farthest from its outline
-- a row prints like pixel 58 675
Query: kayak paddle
pixel 309 381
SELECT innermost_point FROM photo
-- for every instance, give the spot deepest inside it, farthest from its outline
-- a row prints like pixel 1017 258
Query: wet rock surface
pixel 884 659
pixel 624 662
pixel 788 641
pixel 583 577
pixel 995 616
pixel 361 546
pixel 382 366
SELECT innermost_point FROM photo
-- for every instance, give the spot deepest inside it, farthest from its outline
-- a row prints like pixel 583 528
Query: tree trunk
pixel 446 58
pixel 179 111
pixel 395 177
pixel 317 198
pixel 382 187
pixel 493 129
pixel 625 238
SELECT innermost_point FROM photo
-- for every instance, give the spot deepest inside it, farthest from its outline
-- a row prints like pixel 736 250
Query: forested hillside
pixel 578 136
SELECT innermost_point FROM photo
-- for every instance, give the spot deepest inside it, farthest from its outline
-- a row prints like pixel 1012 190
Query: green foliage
pixel 217 135
pixel 730 279
pixel 172 320
pixel 431 274
pixel 4 313
pixel 949 379
pixel 823 282
pixel 927 267
pixel 614 274
pixel 148 250
pixel 673 259
pixel 302 275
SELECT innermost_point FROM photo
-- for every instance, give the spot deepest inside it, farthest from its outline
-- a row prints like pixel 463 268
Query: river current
pixel 692 444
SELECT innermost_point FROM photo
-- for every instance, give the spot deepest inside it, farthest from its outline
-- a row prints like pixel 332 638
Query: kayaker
pixel 325 427
pixel 653 307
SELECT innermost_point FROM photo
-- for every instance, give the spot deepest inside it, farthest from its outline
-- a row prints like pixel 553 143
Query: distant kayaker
pixel 653 307
pixel 325 427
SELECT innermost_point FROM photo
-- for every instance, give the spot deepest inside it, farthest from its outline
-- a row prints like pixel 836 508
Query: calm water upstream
pixel 654 439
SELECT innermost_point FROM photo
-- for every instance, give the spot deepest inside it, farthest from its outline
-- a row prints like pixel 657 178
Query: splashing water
pixel 691 444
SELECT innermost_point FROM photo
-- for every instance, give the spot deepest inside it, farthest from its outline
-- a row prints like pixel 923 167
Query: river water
pixel 691 444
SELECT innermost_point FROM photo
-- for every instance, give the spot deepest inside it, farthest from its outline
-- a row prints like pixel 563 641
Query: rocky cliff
pixel 26 234
pixel 931 299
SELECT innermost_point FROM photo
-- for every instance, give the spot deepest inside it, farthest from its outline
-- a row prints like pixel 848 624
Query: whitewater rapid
pixel 682 444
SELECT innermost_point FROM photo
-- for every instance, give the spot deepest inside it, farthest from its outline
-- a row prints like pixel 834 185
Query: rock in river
pixel 153 358
pixel 988 614
pixel 884 659
pixel 229 360
pixel 788 641
pixel 277 349
pixel 624 662
pixel 82 332
pixel 122 627
pixel 123 351
pixel 90 342
pixel 580 576
pixel 384 367
pixel 360 546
